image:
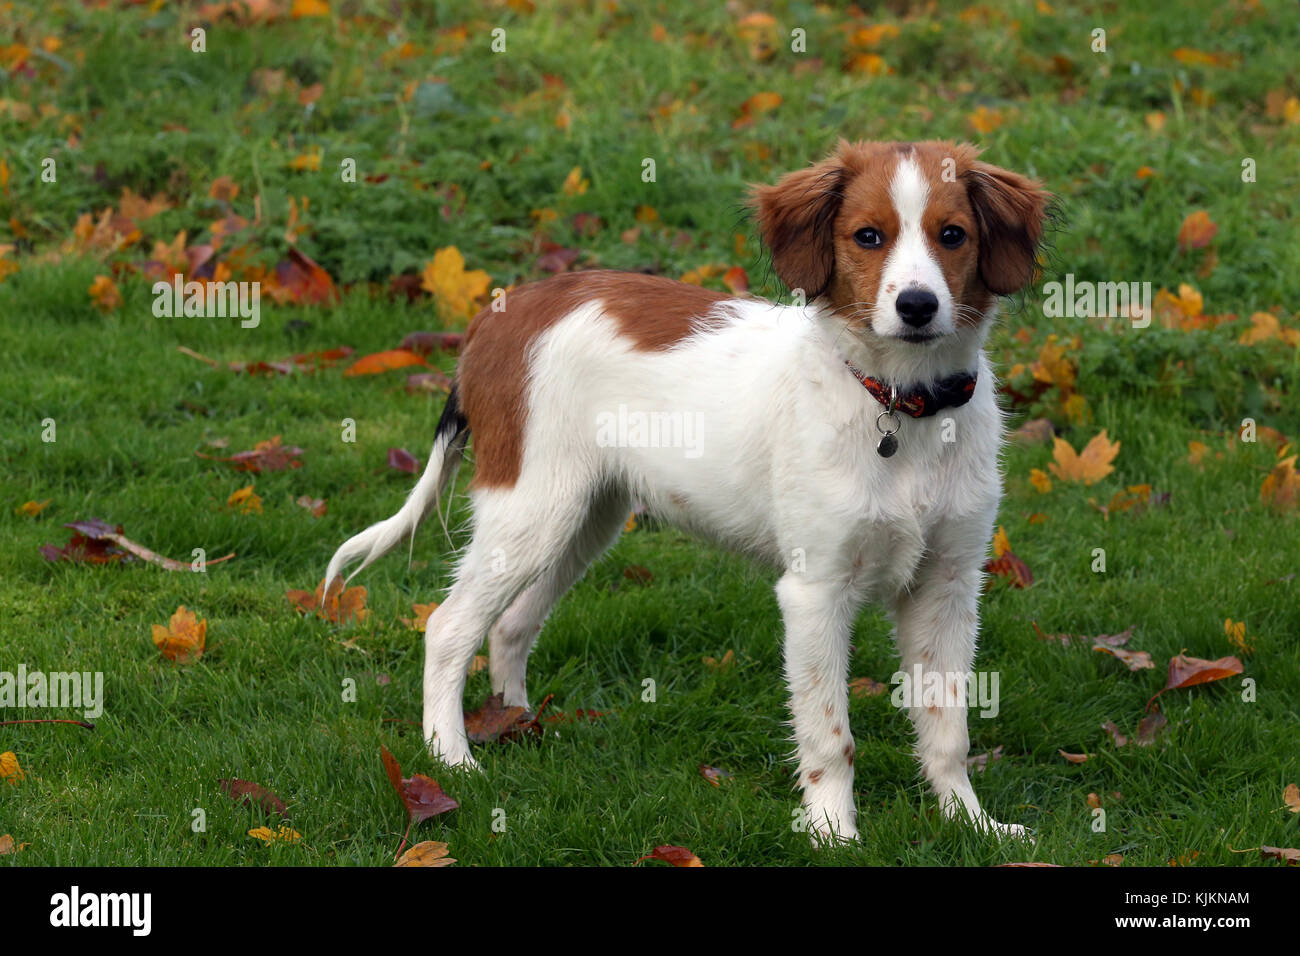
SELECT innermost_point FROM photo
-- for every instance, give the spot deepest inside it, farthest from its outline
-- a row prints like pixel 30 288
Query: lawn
pixel 528 158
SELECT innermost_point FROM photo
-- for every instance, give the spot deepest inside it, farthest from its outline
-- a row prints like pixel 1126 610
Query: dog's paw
pixel 1006 831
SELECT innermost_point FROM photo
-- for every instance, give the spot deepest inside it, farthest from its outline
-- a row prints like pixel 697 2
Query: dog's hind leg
pixel 519 535
pixel 512 637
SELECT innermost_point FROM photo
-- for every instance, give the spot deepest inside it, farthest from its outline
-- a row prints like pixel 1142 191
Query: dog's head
pixel 911 241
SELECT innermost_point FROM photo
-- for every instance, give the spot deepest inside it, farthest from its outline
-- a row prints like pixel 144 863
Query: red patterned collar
pixel 919 401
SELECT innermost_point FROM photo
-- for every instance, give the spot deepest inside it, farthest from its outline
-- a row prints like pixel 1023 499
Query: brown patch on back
pixel 653 312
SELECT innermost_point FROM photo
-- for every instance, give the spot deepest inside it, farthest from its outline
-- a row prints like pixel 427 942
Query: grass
pixel 121 101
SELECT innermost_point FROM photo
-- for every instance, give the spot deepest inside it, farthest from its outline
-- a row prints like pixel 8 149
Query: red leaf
pixel 422 796
pixel 425 343
pixel 383 362
pixel 1187 671
pixel 676 855
pixel 403 460
pixel 303 281
pixel 249 794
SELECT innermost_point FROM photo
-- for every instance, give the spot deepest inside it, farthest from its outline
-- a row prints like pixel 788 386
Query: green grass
pixel 265 703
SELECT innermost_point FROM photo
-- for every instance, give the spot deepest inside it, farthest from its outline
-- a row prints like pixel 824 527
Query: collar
pixel 919 401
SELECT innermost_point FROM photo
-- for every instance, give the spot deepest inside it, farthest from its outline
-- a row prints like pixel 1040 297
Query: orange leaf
pixel 184 637
pixel 676 855
pixel 1090 466
pixel 1196 231
pixel 1187 671
pixel 384 362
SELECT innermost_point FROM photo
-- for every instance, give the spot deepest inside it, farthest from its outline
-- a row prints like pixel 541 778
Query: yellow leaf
pixel 459 293
pixel 428 853
pixel 1090 466
pixel 31 509
pixel 1038 478
pixel 283 835
pixel 308 162
pixel 10 772
pixel 7 844
pixel 871 64
pixel 245 501
pixel 985 120
pixel 1281 487
pixel 574 184
pixel 103 292
pixel 421 619
pixel 872 36
pixel 1155 121
pixel 184 637
pixel 1001 543
pixel 646 215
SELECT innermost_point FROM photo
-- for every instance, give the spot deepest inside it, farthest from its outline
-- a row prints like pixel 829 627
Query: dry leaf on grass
pixel 428 853
pixel 184 637
pixel 676 855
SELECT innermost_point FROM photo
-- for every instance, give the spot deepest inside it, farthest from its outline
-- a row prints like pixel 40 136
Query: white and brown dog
pixel 852 442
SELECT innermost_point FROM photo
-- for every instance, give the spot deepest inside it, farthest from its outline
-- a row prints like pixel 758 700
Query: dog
pixel 850 439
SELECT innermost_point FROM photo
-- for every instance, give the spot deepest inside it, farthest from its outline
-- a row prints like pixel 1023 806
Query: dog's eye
pixel 869 238
pixel 950 237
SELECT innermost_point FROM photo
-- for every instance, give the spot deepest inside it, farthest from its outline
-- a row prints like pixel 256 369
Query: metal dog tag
pixel 887 446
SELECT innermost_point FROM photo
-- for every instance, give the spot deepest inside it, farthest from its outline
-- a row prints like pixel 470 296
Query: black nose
pixel 916 306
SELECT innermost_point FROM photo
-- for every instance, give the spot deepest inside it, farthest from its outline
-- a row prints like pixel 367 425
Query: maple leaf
pixel 1236 631
pixel 1038 478
pixel 8 845
pixel 428 853
pixel 755 106
pixel 458 292
pixel 1090 466
pixel 340 605
pixel 31 509
pixel 495 722
pixel 1264 326
pixel 245 501
pixel 269 455
pixel 1281 487
pixel 574 184
pixel 421 620
pixel 676 855
pixel 1196 231
pixel 183 639
pixel 103 292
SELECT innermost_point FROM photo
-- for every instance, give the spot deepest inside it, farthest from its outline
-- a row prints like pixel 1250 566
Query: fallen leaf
pixel 283 835
pixel 253 794
pixel 1090 466
pixel 317 506
pixel 980 762
pixel 7 845
pixel 714 775
pixel 1149 727
pixel 1187 671
pixel 1074 758
pixel 866 687
pixel 103 292
pixel 1133 660
pixel 676 855
pixel 269 455
pixel 1291 797
pixel 493 721
pixel 340 605
pixel 402 460
pixel 428 853
pixel 184 637
pixel 31 509
pixel 421 795
pixel 10 771
pixel 728 660
pixel 1116 737
pixel 421 619
pixel 1282 854
pixel 384 362
pixel 1196 231
pixel 245 501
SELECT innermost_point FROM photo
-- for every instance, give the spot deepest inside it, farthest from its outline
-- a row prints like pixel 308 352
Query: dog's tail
pixel 377 540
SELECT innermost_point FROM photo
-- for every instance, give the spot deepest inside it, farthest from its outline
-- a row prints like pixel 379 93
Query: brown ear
pixel 796 219
pixel 1009 211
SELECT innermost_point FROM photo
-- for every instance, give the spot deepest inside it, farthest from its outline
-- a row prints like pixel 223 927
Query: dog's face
pixel 911 241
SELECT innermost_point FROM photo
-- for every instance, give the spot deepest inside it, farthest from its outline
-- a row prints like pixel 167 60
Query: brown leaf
pixel 7 845
pixel 253 794
pixel 1290 856
pixel 301 281
pixel 1074 758
pixel 980 762
pixel 426 343
pixel 428 382
pixel 676 855
pixel 1034 432
pixel 1010 566
pixel 493 721
pixel 1187 671
pixel 638 575
pixel 714 775
pixel 1133 660
pixel 1291 797
pixel 428 853
pixel 316 506
pixel 1196 231
pixel 269 455
pixel 866 687
pixel 1117 738
pixel 421 795
pixel 1149 728
pixel 340 605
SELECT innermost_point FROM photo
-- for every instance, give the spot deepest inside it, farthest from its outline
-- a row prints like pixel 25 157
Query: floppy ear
pixel 1009 212
pixel 795 218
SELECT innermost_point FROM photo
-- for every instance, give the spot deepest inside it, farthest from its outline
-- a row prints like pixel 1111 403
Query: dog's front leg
pixel 938 624
pixel 818 617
